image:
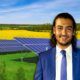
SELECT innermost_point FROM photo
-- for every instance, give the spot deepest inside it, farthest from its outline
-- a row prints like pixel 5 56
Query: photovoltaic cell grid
pixel 37 45
pixel 4 43
pixel 10 46
pixel 12 49
pixel 33 40
pixel 38 48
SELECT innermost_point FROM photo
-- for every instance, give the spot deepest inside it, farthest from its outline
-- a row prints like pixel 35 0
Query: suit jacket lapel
pixel 52 66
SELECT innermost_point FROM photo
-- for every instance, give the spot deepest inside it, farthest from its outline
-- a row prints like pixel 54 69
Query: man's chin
pixel 64 44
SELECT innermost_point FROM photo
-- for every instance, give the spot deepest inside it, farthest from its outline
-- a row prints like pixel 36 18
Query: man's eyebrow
pixel 59 26
pixel 70 26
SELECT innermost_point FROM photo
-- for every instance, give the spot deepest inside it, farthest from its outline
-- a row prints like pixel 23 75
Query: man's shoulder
pixel 47 53
pixel 77 50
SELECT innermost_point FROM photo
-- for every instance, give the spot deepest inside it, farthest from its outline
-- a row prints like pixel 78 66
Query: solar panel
pixel 33 40
pixel 35 44
pixel 10 46
pixel 12 49
pixel 38 48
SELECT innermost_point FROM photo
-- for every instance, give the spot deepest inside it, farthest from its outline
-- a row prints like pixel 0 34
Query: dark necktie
pixel 63 65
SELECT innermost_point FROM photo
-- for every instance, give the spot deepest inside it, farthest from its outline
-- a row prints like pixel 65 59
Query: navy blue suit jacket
pixel 46 65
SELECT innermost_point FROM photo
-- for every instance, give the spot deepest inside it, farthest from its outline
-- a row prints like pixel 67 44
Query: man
pixel 62 62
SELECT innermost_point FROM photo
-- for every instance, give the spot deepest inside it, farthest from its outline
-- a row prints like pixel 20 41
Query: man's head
pixel 63 30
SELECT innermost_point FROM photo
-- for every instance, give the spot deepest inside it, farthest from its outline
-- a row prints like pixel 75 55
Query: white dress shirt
pixel 69 62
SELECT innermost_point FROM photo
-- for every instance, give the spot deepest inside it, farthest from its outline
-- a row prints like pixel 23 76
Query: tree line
pixel 30 27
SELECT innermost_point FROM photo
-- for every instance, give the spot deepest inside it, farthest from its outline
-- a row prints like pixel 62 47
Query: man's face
pixel 63 31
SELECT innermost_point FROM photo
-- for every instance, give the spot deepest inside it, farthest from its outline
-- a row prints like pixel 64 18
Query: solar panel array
pixel 33 40
pixel 10 46
pixel 38 48
pixel 20 44
pixel 35 44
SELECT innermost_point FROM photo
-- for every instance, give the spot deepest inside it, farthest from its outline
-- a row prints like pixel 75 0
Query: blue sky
pixel 36 11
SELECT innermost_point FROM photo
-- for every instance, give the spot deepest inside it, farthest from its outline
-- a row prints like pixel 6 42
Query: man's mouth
pixel 63 37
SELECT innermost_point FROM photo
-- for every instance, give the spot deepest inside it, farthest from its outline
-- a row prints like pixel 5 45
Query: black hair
pixel 66 16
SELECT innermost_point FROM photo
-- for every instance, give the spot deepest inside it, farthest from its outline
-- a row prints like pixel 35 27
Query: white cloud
pixel 43 6
pixel 38 12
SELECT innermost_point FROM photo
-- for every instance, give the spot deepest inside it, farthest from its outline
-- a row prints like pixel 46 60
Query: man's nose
pixel 64 32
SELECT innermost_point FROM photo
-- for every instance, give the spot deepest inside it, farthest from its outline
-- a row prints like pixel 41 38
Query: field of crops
pixel 10 34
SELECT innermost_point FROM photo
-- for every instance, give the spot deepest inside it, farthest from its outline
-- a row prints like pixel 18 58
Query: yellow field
pixel 11 34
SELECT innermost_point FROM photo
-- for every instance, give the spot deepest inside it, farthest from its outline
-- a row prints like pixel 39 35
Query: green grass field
pixel 17 70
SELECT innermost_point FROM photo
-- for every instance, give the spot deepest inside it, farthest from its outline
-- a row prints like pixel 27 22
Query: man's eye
pixel 60 28
pixel 69 29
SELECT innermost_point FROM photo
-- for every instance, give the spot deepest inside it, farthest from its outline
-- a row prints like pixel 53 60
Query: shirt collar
pixel 68 50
